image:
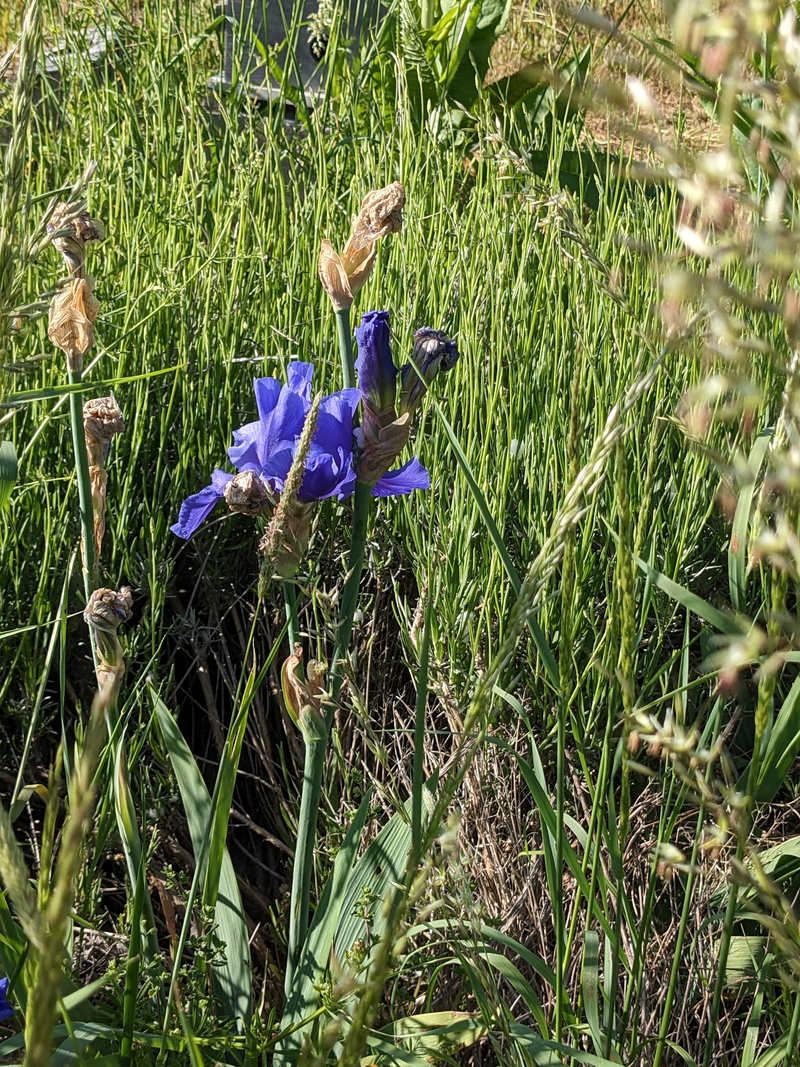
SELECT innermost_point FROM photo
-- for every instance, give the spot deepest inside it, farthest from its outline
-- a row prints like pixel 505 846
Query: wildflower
pixel 6 1011
pixel 381 213
pixel 263 451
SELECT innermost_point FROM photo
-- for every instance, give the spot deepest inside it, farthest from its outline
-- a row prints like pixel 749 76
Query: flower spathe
pixel 267 447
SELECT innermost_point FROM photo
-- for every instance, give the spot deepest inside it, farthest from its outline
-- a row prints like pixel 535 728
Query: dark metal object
pixel 255 24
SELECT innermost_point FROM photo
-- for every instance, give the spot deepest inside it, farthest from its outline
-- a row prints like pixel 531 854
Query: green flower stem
pixel 316 741
pixel 304 854
pixel 290 596
pixel 90 575
pixel 355 564
pixel 345 335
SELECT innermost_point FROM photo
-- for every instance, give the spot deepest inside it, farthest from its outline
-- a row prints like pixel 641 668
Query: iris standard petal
pixel 334 429
pixel 196 509
pixel 377 374
pixel 298 378
pixel 405 479
pixel 282 410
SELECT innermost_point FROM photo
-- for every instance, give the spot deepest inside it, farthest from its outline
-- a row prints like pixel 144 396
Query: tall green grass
pixel 214 211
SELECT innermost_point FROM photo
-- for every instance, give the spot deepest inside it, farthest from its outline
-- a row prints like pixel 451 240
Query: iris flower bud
pixel 433 351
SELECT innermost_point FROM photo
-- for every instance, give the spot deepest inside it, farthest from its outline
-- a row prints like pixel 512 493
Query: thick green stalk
pixel 355 564
pixel 304 852
pixel 345 335
pixel 316 743
pixel 290 597
pixel 90 573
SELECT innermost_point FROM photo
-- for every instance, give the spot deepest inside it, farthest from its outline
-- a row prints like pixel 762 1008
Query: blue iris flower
pixel 6 1011
pixel 268 445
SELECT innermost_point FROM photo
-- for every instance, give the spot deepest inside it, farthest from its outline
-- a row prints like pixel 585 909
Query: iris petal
pixel 196 509
pixel 405 479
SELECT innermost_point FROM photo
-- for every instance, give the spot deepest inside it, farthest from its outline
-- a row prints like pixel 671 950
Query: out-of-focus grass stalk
pixel 766 691
pixel 41 1014
pixel 566 681
pixel 15 155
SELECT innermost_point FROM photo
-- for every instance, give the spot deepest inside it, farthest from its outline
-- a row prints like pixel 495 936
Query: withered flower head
pixel 381 213
pixel 70 233
pixel 248 494
pixel 108 609
pixel 102 419
pixel 72 311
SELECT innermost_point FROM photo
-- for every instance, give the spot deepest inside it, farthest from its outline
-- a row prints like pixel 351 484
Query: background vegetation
pixel 568 912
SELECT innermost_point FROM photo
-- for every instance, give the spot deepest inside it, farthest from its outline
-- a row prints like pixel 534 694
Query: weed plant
pixel 555 582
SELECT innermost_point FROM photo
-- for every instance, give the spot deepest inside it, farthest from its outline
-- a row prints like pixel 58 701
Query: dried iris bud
pixel 381 213
pixel 72 311
pixel 248 494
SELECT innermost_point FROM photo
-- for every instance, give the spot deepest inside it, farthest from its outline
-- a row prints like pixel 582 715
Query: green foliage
pixel 445 50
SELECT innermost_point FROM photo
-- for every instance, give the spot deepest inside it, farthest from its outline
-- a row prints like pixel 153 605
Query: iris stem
pixel 345 335
pixel 91 577
pixel 316 744
pixel 290 597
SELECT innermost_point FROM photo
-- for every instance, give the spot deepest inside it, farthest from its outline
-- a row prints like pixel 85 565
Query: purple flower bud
pixel 377 374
